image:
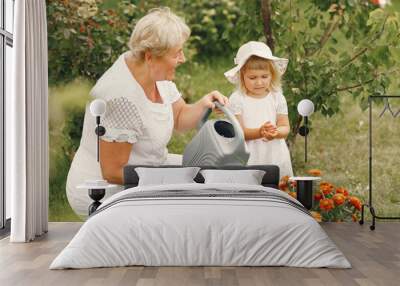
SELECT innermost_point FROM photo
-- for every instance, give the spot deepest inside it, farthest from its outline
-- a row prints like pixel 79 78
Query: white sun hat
pixel 258 49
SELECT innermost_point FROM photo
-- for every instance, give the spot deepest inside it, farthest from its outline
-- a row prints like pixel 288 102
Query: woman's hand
pixel 187 116
pixel 208 100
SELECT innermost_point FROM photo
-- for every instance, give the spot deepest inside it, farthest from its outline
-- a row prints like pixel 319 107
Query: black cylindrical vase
pixel 305 193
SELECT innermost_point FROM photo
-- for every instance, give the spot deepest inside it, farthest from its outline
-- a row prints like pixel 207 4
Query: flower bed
pixel 331 203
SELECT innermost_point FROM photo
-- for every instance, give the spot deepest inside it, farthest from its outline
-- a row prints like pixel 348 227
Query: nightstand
pixel 96 191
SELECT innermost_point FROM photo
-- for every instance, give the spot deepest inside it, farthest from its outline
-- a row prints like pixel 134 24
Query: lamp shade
pixel 97 107
pixel 305 107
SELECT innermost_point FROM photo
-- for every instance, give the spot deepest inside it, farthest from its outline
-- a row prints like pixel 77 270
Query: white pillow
pixel 249 177
pixel 166 176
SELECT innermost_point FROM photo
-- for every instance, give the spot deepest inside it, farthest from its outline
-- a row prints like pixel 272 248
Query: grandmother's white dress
pixel 130 117
pixel 255 112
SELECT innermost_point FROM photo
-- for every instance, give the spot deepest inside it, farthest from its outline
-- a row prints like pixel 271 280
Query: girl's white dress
pixel 255 112
pixel 130 117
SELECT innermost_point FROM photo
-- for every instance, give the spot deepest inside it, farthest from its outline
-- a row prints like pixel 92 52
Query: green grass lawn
pixel 337 145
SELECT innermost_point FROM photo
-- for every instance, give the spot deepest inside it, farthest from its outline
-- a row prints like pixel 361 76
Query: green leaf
pixel 375 17
pixel 109 4
pixel 333 50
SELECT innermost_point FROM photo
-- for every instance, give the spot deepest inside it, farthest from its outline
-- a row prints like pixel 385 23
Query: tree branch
pixel 295 130
pixel 366 49
pixel 354 57
pixel 328 33
pixel 266 15
pixel 353 86
pixel 365 82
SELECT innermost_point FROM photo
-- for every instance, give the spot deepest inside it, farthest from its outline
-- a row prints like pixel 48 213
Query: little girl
pixel 260 105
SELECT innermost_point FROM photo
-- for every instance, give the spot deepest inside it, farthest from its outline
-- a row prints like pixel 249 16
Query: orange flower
pixel 318 196
pixel 355 202
pixel 326 204
pixel 283 185
pixel 293 194
pixel 326 188
pixel 338 199
pixel 342 191
pixel 285 179
pixel 315 172
pixel 317 216
pixel 324 184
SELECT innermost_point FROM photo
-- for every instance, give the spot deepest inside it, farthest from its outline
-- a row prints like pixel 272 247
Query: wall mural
pixel 158 70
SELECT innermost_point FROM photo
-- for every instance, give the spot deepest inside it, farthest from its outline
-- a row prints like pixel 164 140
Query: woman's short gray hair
pixel 157 32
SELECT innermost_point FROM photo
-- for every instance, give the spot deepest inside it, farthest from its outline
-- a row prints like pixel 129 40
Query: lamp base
pixel 96 195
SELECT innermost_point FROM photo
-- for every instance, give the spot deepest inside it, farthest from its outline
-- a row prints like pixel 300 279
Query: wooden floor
pixel 374 255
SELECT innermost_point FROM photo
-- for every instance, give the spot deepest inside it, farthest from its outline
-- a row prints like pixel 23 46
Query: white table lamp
pixel 305 109
pixel 98 108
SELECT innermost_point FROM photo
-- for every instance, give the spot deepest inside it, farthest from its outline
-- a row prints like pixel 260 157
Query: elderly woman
pixel 143 107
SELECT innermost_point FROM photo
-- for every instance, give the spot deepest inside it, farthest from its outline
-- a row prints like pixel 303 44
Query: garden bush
pixel 333 46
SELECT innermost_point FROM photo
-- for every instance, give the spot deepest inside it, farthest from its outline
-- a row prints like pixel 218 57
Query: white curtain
pixel 27 124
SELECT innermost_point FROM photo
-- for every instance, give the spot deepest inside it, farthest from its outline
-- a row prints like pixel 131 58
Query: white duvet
pixel 190 230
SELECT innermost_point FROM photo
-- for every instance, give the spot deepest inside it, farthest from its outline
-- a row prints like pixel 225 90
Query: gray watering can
pixel 217 142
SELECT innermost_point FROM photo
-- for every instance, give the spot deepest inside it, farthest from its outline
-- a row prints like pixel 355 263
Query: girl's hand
pixel 268 126
pixel 208 100
pixel 268 131
pixel 269 135
pixel 273 134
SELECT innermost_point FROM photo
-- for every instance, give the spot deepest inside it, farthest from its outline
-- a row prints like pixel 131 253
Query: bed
pixel 201 224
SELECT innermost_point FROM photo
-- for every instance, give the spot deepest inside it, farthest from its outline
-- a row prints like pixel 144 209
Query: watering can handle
pixel 232 118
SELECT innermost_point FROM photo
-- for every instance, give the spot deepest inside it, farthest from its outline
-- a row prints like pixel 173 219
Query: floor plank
pixel 374 255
